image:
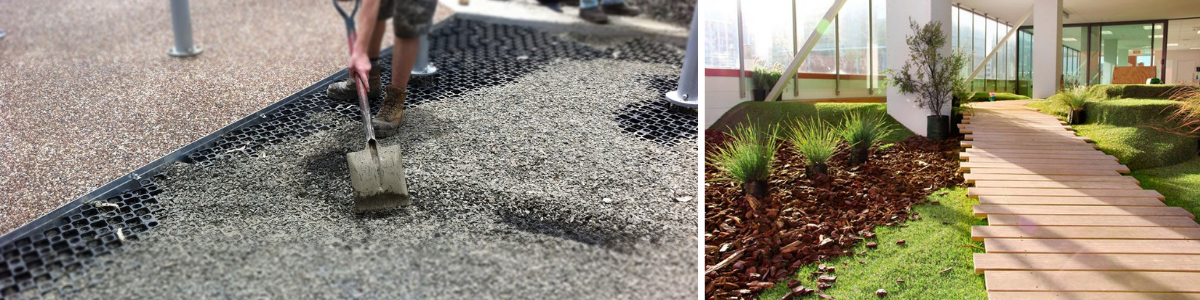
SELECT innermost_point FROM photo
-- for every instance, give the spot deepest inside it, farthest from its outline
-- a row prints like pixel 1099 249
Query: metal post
pixel 837 56
pixel 181 22
pixel 687 94
pixel 992 53
pixel 795 44
pixel 423 67
pixel 802 54
pixel 741 56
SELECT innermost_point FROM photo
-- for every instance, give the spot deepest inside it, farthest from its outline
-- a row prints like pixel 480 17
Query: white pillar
pixel 1047 47
pixel 901 106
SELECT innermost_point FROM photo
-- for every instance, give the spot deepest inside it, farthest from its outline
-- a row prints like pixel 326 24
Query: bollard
pixel 687 95
pixel 423 67
pixel 181 23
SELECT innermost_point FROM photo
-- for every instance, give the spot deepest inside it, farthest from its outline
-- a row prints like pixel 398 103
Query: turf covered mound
pixel 983 96
pixel 1136 131
pixel 784 113
pixel 1133 91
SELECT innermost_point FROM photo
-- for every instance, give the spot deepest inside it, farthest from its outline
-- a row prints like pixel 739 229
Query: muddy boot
pixel 594 15
pixel 391 112
pixel 345 90
pixel 621 10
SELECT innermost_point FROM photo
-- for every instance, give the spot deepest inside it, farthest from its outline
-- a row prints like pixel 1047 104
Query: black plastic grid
pixel 55 259
pixel 469 55
pixel 657 120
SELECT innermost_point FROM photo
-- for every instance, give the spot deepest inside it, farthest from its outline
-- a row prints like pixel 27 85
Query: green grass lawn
pixel 1140 147
pixel 937 242
pixel 1179 183
pixel 774 112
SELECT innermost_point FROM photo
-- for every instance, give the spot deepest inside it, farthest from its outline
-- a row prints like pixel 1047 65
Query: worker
pixel 411 19
pixel 592 11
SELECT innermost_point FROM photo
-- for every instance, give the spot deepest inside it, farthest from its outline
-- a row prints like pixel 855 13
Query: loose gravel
pixel 525 190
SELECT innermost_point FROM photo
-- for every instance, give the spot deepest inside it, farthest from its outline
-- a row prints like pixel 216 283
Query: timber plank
pixel 1086 262
pixel 979 233
pixel 975 192
pixel 1037 184
pixel 1110 177
pixel 967 166
pixel 1095 159
pixel 1093 246
pixel 1033 221
pixel 1061 200
pixel 1044 171
pixel 984 210
pixel 1090 296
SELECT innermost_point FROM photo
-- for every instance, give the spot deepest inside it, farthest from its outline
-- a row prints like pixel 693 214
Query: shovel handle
pixel 360 81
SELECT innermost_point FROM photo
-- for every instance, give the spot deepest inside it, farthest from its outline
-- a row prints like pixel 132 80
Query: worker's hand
pixel 360 66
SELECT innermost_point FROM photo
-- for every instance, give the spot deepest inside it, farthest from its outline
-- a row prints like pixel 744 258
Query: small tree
pixel 928 74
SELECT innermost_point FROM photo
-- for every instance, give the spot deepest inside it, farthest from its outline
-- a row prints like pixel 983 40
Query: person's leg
pixel 412 19
pixel 619 8
pixel 589 10
pixel 346 90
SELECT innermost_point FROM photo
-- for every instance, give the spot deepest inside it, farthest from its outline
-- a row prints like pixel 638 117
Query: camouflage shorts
pixel 412 17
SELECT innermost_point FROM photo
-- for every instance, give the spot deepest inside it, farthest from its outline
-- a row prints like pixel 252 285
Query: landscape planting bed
pixel 757 243
pixel 531 178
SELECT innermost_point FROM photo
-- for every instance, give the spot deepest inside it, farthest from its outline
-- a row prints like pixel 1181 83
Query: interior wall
pixel 1176 58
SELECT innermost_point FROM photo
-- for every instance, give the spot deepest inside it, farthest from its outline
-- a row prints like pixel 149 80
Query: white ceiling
pixel 1092 11
pixel 1183 34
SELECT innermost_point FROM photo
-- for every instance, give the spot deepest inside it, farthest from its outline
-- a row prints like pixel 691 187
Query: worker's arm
pixel 360 64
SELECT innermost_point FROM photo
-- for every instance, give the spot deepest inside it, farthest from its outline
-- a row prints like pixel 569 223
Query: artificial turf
pixel 1136 131
pixel 1180 183
pixel 785 113
pixel 935 262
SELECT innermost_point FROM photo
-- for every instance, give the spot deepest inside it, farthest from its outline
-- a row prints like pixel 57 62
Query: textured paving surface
pixel 1063 222
pixel 84 100
pixel 524 175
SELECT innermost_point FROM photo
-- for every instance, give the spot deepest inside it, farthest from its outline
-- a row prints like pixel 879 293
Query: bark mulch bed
pixel 751 243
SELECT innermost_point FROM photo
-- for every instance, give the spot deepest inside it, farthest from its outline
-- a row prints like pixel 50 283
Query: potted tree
pixel 1074 99
pixel 747 158
pixel 765 79
pixel 928 75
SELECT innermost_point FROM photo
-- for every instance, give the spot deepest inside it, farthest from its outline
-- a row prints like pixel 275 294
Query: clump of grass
pixel 1187 111
pixel 817 140
pixel 1074 97
pixel 862 131
pixel 747 157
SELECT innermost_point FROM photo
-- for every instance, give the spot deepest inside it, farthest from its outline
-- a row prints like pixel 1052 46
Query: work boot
pixel 391 112
pixel 346 90
pixel 594 15
pixel 621 9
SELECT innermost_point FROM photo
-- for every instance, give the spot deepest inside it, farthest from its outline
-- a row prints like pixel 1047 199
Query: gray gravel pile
pixel 526 190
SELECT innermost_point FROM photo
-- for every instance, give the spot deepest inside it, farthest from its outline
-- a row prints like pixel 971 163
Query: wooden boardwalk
pixel 1064 223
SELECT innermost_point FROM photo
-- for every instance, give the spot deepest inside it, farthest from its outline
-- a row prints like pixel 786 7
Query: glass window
pixel 720 34
pixel 855 42
pixel 767 33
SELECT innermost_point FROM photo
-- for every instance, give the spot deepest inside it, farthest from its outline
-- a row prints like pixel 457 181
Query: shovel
pixel 376 173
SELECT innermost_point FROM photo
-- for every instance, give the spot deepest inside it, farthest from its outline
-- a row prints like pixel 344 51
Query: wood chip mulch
pixel 752 243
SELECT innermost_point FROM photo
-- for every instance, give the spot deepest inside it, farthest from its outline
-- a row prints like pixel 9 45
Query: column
pixel 1047 47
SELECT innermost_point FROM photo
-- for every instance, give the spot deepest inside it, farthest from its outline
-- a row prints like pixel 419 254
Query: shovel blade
pixel 378 183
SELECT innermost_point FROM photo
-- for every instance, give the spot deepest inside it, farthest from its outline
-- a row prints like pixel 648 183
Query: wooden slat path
pixel 1063 223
